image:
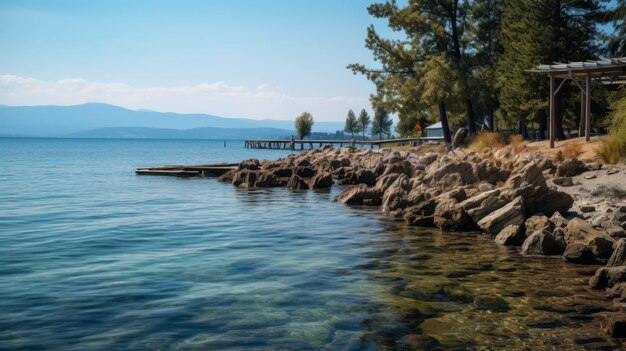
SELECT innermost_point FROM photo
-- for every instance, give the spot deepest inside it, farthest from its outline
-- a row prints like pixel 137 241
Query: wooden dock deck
pixel 210 170
pixel 300 144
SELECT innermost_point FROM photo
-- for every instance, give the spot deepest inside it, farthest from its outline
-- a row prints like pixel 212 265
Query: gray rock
pixel 616 326
pixel 579 253
pixel 587 209
pixel 618 258
pixel 606 277
pixel 579 231
pixel 558 220
pixel 512 235
pixel 564 181
pixel 570 168
pixel 538 221
pixel 540 243
pixel 616 232
pixel 322 181
pixel 559 236
pixel 591 176
pixel 510 214
pixel 484 187
pixel 593 166
pixel 459 137
pixel 297 183
pixel 359 195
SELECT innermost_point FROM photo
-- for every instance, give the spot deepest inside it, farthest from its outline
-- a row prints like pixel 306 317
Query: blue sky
pixel 235 58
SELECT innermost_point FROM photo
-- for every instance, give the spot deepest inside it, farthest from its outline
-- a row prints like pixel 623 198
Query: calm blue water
pixel 93 257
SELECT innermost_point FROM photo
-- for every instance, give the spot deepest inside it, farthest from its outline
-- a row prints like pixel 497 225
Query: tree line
pixel 463 62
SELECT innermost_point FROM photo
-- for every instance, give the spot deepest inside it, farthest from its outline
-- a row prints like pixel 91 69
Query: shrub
pixel 484 140
pixel 614 145
pixel 515 140
pixel 611 149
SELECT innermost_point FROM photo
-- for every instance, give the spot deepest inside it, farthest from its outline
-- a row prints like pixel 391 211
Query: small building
pixel 434 131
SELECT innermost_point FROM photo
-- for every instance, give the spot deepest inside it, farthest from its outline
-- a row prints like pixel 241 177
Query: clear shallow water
pixel 93 257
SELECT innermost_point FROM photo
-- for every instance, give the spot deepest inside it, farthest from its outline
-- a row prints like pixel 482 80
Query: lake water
pixel 93 257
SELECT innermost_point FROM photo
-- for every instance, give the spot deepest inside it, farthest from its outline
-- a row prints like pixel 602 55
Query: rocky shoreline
pixel 520 199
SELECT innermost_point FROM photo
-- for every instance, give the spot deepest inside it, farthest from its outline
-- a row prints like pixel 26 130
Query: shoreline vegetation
pixel 544 202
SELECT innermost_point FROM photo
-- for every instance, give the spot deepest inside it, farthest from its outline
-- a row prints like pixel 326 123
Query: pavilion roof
pixel 604 71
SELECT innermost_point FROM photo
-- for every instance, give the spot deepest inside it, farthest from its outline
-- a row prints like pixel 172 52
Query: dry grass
pixel 486 140
pixel 516 142
pixel 611 150
pixel 571 150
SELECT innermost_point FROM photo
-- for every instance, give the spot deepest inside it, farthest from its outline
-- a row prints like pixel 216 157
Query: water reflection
pixel 453 290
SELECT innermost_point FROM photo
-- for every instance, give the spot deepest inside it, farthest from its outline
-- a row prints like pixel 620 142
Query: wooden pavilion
pixel 586 75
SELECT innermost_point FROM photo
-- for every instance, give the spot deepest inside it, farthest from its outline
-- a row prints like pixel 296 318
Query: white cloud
pixel 217 98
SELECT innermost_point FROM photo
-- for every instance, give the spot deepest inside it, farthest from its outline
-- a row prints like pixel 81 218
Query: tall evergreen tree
pixel 544 31
pixel 526 42
pixel 352 125
pixel 364 122
pixel 381 124
pixel 434 30
pixel 617 42
pixel 486 19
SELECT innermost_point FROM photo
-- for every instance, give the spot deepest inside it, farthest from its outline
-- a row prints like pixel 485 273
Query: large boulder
pixel 394 197
pixel 616 326
pixel 579 231
pixel 579 253
pixel 322 181
pixel 558 220
pixel 618 258
pixel 488 172
pixel 540 243
pixel 266 180
pixel 359 195
pixel 297 183
pixel 305 172
pixel 512 235
pixel 570 168
pixel 528 181
pixel 538 221
pixel 606 277
pixel 459 137
pixel 510 214
pixel 463 169
pixel 481 205
pixel 252 164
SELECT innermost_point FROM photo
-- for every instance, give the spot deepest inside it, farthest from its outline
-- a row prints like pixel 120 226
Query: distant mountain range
pixel 96 120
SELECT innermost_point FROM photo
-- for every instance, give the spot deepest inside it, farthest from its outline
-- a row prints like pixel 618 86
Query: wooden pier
pixel 302 144
pixel 212 170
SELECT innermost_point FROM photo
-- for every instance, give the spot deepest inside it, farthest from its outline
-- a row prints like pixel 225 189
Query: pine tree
pixel 544 31
pixel 617 42
pixel 526 44
pixel 364 122
pixel 434 30
pixel 381 124
pixel 352 125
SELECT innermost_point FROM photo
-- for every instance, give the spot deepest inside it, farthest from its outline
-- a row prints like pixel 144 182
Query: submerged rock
pixel 491 302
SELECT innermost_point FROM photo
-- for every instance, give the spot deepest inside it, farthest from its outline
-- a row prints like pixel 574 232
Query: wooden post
pixel 588 107
pixel 581 121
pixel 552 111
